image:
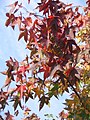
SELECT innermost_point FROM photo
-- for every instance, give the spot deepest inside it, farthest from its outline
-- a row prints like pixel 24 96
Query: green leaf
pixel 56 86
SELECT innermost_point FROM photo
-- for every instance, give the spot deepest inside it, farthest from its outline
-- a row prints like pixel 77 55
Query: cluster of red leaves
pixel 53 51
pixel 32 117
pixel 63 115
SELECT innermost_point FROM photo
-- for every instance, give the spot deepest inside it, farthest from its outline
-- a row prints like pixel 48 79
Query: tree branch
pixel 74 90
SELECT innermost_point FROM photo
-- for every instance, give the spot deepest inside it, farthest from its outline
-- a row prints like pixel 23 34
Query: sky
pixel 10 47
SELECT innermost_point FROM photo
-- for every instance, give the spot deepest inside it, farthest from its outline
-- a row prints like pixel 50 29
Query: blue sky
pixel 9 46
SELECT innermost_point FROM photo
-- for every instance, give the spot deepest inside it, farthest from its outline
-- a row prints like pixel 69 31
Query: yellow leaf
pixel 49 104
pixel 38 91
pixel 87 67
pixel 78 38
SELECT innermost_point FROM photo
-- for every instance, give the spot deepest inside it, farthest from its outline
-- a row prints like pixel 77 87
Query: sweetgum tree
pixel 59 43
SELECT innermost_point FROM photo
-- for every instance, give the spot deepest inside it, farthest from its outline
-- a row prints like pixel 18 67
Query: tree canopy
pixel 58 39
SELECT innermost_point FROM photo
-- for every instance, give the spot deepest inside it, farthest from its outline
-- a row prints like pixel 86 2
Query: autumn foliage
pixel 59 43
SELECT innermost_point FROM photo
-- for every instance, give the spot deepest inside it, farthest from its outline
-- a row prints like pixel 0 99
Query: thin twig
pixel 74 90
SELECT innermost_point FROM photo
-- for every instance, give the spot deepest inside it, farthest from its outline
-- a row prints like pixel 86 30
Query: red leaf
pixel 69 5
pixel 28 21
pixel 12 7
pixel 4 72
pixel 9 116
pixel 80 23
pixel 7 14
pixel 7 81
pixel 26 36
pixel 21 89
pixel 28 1
pixel 58 67
pixel 76 9
pixel 43 6
pixel 7 22
pixel 21 35
pixel 46 70
pixel 63 115
pixel 67 72
pixel 22 70
pixel 17 21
